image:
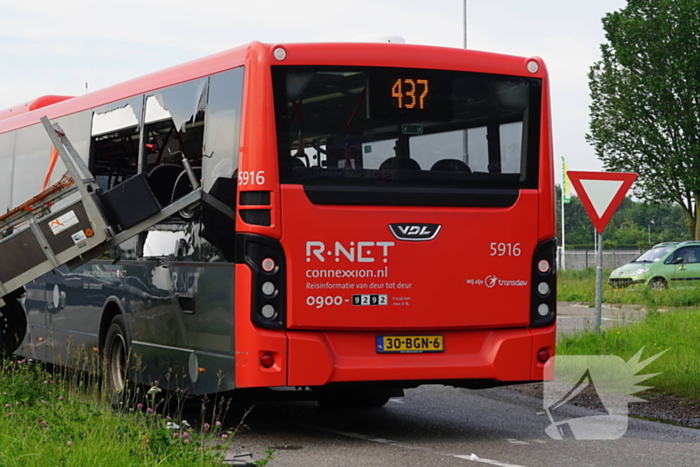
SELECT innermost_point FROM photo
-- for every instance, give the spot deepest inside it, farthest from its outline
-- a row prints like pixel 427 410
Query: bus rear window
pixel 344 131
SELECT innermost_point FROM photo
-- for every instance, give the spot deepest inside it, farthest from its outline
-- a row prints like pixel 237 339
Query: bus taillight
pixel 266 259
pixel 544 285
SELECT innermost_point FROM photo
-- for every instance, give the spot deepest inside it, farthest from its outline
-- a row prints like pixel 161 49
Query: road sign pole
pixel 599 285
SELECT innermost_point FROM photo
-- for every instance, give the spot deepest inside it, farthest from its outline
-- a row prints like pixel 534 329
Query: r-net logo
pixel 361 252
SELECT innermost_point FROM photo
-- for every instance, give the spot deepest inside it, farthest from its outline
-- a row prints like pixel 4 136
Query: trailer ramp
pixel 40 235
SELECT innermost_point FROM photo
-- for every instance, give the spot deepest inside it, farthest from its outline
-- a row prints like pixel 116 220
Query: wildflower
pixel 187 441
pixel 224 436
pixel 60 398
pixel 43 422
pixel 70 443
pixel 185 424
pixel 7 405
pixel 154 390
pixel 4 393
pixel 218 423
pixel 24 434
pixel 171 426
pixel 185 434
pixel 206 426
pixel 46 429
pixel 176 435
pixel 9 414
pixel 139 406
pixel 46 382
pixel 17 403
pixel 149 410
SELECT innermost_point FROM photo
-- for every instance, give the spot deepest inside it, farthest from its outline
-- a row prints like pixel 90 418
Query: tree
pixel 645 111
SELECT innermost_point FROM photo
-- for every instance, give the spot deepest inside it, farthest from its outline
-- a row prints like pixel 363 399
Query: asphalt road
pixel 443 426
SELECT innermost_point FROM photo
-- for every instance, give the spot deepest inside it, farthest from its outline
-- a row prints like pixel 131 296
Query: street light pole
pixel 465 24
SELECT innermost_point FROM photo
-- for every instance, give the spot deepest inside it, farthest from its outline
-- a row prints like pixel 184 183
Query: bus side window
pixel 174 128
pixel 220 166
pixel 114 147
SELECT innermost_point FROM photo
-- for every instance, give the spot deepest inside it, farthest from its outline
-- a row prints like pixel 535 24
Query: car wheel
pixel 658 283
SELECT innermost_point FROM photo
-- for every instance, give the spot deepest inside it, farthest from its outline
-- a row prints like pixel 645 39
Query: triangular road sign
pixel 601 193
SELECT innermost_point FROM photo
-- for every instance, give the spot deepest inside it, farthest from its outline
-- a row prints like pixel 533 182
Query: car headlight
pixel 639 271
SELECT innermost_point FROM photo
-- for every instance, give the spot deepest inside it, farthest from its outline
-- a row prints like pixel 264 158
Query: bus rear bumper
pixel 318 358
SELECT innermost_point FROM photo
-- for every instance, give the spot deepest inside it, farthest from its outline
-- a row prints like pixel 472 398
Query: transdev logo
pixel 415 232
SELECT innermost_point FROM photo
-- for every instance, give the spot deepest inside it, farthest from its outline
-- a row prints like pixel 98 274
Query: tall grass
pixel 62 419
pixel 677 331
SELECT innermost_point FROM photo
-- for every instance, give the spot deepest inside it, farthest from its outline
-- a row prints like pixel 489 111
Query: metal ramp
pixel 35 239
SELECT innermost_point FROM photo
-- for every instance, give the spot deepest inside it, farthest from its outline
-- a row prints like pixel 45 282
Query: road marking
pixel 476 458
pixel 472 457
pixel 516 441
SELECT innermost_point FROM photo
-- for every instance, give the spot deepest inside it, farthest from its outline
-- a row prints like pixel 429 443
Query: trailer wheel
pixel 13 325
pixel 116 371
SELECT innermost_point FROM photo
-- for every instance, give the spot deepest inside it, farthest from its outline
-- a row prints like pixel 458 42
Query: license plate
pixel 410 344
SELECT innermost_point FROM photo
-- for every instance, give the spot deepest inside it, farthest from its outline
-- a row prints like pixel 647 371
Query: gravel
pixel 661 407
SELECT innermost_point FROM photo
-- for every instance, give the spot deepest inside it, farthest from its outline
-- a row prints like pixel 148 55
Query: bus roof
pixel 34 104
pixel 360 53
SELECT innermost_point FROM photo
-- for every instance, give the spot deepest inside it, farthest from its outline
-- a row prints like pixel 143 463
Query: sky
pixel 49 47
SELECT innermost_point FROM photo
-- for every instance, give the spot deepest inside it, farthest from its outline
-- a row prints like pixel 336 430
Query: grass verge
pixel 675 330
pixel 579 286
pixel 54 419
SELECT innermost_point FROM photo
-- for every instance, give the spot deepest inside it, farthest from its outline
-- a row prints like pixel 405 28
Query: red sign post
pixel 601 193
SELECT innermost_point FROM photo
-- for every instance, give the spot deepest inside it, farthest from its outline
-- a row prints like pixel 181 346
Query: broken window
pixel 115 141
pixel 174 128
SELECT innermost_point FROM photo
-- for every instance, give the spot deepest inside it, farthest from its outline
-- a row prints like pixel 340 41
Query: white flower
pixel 172 426
pixel 154 390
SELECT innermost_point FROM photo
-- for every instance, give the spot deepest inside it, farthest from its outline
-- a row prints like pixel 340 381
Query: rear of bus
pixel 396 218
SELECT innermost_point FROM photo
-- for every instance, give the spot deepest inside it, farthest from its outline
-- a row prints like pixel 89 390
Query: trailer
pixel 72 222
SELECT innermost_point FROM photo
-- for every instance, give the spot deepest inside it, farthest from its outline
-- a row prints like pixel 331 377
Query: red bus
pixel 393 222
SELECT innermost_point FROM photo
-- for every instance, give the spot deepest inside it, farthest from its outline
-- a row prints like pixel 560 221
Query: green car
pixel 663 265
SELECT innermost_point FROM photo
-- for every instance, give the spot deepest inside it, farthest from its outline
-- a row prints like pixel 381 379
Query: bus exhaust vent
pixel 256 217
pixel 255 198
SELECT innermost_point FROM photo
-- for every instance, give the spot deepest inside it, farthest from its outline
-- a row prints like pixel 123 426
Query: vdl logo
pixel 415 232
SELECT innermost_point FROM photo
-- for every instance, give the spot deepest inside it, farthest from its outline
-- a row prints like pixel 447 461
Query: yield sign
pixel 601 193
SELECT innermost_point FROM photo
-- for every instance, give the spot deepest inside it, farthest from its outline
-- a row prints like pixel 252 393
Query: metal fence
pixel 582 259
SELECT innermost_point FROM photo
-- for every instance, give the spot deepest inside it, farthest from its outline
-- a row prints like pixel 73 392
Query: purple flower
pixel 149 410
pixel 224 436
pixel 70 443
pixel 24 434
pixel 43 422
pixel 139 406
pixel 207 426
pixel 7 405
pixel 187 441
pixel 218 423
pixel 176 435
pixel 9 414
pixel 60 398
pixel 185 434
